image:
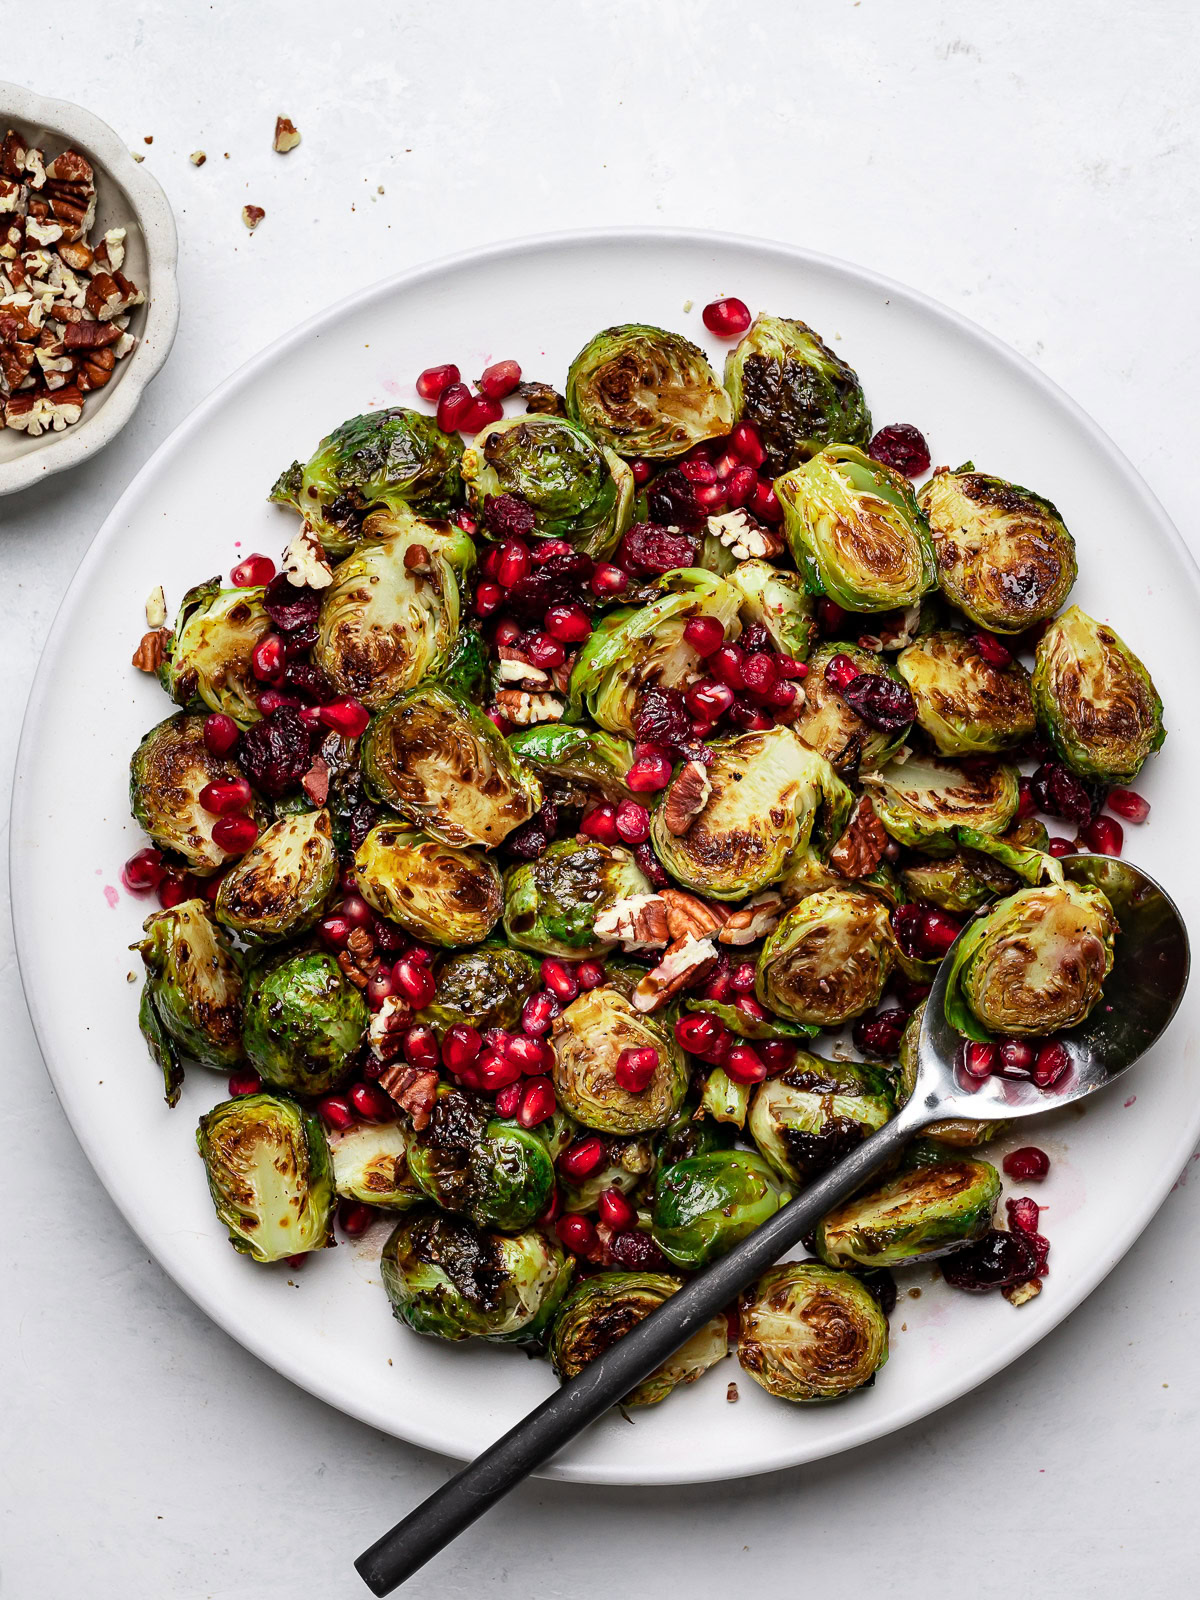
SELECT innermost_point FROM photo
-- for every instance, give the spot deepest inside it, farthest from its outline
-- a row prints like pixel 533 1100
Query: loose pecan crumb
pixel 754 921
pixel 197 158
pixel 148 656
pixel 252 216
pixel 286 136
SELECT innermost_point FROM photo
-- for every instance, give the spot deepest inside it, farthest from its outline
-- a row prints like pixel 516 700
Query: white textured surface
pixel 1033 167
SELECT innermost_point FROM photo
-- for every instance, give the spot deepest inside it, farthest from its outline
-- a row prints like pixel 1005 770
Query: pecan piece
pixel 286 136
pixel 639 921
pixel 414 1090
pixel 305 564
pixel 148 656
pixel 523 710
pixel 860 849
pixel 85 335
pixel 686 797
pixel 388 1027
pixel 755 920
pixel 315 781
pixel 252 216
pixel 685 962
pixel 689 916
pixel 744 537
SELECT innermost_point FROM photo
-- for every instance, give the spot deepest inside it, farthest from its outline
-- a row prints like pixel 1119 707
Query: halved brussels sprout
pixel 602 1309
pixel 304 1021
pixel 949 883
pixel 782 377
pixel 770 796
pixel 937 1202
pixel 577 490
pixel 551 904
pixel 646 392
pixel 385 459
pixel 724 1100
pixel 627 1167
pixel 484 988
pixel 632 649
pixel 809 1333
pixel 922 800
pixel 1006 859
pixel 278 887
pixel 963 1135
pixel 433 890
pixel 168 770
pixel 391 614
pixel 828 959
pixel 815 1113
pixel 562 753
pixel 1035 964
pixel 966 705
pixel 209 657
pixel 703 1206
pixel 193 991
pixel 830 724
pixel 449 1280
pixel 1095 699
pixel 370 1163
pixel 587 1039
pixel 1004 555
pixel 466 1159
pixel 856 532
pixel 780 602
pixel 437 760
pixel 269 1176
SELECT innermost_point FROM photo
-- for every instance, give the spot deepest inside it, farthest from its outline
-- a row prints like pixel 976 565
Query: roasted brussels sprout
pixel 816 1112
pixel 963 1135
pixel 948 883
pixel 966 705
pixel 1095 699
pixel 602 1309
pixel 577 490
pixel 1035 964
pixel 382 459
pixel 551 904
pixel 691 1133
pixel 828 959
pixel 370 1163
pixel 465 672
pixel 278 887
pixel 769 798
pixel 809 1333
pixel 209 657
pixel 304 1022
pixel 938 1201
pixel 1006 860
pixel 723 1100
pixel 780 602
pixel 782 377
pixel 645 392
pixel 1004 555
pixel 748 1027
pixel 390 617
pixel 831 725
pixel 588 1037
pixel 269 1175
pixel 632 649
pixel 169 768
pixel 856 532
pixel 703 1206
pixel 435 891
pixel 193 991
pixel 497 1173
pixel 484 988
pixel 627 1167
pixel 564 754
pixel 923 800
pixel 437 760
pixel 449 1280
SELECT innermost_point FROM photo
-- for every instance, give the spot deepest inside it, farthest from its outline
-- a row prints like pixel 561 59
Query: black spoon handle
pixel 524 1448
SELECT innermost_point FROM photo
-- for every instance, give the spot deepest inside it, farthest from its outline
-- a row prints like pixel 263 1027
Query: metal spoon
pixel 1147 982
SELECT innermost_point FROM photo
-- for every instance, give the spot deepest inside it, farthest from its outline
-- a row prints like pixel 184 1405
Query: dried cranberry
pixel 290 607
pixel 879 1036
pixel 650 865
pixel 1027 1165
pixel 1060 793
pixel 673 504
pixel 830 616
pixel 555 581
pixel 307 680
pixel 880 701
pixel 993 1262
pixel 661 718
pixel 531 839
pixel 636 1252
pixel 276 752
pixel 507 516
pixel 647 550
pixel 879 1282
pixel 901 446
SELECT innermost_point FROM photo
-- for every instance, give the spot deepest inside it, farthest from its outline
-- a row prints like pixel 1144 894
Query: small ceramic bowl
pixel 126 197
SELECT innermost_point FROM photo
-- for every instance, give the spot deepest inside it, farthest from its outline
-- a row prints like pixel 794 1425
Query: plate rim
pixel 21 874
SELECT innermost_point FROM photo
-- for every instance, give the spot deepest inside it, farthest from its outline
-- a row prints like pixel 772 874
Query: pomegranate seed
pixel 1103 836
pixel 745 1065
pixel 711 496
pixel 1015 1057
pixel 749 1007
pixel 569 624
pixel 789 667
pixel 642 471
pixel 241 1083
pixel 939 933
pixel 748 716
pixel 585 1156
pixel 1027 1165
pixel 434 381
pixel 559 979
pixel 212 887
pixel 830 615
pixel 698 470
pixel 746 443
pixel 1060 847
pixel 487 597
pixel 1023 1214
pixel 575 1233
pixel 698 1032
pixel 268 658
pixel 727 465
pixel 224 797
pixel 380 987
pixel 777 1055
pixel 537 1102
pixel 337 1111
pixel 741 977
pixel 759 674
pixel 171 890
pixel 220 733
pixel 461 1047
pixel 1129 805
pixel 466 523
pixel 615 1211
pixel 234 835
pixel 539 1011
pixel 415 981
pixel 480 414
pixel 632 822
pixel 421 1047
pixel 601 823
pixel 782 696
pixel 718 988
pixel 649 773
pixel 143 871
pixel 354 1218
pixel 590 974
pixel 496 1072
pixel 978 1059
pixel 334 931
pixel 514 563
pixel 505 632
pixel 356 911
pixel 840 671
pixel 370 1102
pixel 498 380
pixel 635 1069
pixel 453 404
pixel 509 1098
pixel 764 502
pixel 421 954
pixel 704 634
pixel 709 699
pixel 532 1056
pixel 1026 804
pixel 254 572
pixel 740 485
pixel 1052 1061
pixel 554 1210
pixel 347 717
pixel 726 665
pixel 544 652
pixel 991 649
pixel 609 580
pixel 271 700
pixel 726 318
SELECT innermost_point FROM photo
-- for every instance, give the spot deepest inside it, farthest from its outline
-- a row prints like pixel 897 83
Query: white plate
pixel 200 503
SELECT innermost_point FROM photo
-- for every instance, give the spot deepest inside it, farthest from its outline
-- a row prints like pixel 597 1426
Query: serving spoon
pixel 1146 984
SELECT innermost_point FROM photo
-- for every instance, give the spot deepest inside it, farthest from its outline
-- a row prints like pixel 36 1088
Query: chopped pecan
pixel 95 369
pixel 305 564
pixel 156 607
pixel 71 192
pixel 1017 1294
pixel 388 1027
pixel 744 537
pixel 315 781
pixel 414 1090
pixel 684 962
pixel 198 158
pixel 286 136
pixel 860 849
pixel 416 560
pixel 252 216
pixel 639 922
pixel 110 294
pixel 148 656
pixel 686 797
pixel 754 921
pixel 688 915
pixel 90 335
pixel 523 710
